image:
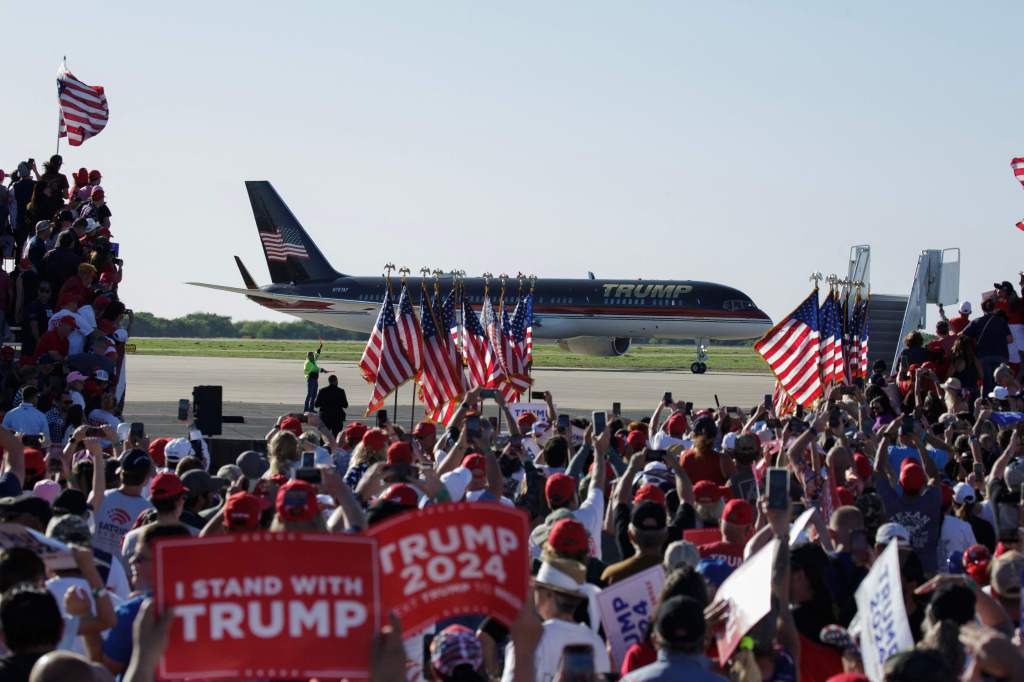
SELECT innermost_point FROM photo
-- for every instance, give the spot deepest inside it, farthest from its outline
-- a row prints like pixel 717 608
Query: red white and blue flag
pixel 1017 164
pixel 495 368
pixel 515 331
pixel 476 347
pixel 83 108
pixel 393 368
pixel 792 351
pixel 440 381
pixel 409 332
pixel 831 342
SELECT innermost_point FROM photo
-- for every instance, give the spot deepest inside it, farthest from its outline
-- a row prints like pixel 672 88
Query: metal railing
pixel 914 314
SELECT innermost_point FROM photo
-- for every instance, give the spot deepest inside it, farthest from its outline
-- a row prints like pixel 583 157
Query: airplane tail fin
pixel 247 279
pixel 291 255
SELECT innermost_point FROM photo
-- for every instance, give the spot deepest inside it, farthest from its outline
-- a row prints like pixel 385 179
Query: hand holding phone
pixel 382 418
pixel 563 422
pixel 777 488
pixel 599 422
pixel 617 409
pixel 666 399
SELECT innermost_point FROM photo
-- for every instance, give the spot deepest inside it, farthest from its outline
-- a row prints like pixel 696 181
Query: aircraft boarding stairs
pixel 892 317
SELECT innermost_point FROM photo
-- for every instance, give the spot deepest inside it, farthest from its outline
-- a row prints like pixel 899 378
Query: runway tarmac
pixel 260 390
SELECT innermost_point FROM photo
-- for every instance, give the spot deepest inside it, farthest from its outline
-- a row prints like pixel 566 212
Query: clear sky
pixel 743 143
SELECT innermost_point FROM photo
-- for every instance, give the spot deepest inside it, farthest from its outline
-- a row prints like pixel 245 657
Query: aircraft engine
pixel 595 345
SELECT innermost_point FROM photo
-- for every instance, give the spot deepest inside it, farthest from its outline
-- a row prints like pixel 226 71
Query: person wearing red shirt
pixel 941 349
pixel 737 526
pixel 55 341
pixel 702 462
pixel 958 323
pixel 79 286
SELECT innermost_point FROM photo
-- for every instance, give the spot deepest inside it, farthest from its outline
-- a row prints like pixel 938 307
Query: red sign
pixel 702 536
pixel 269 605
pixel 452 559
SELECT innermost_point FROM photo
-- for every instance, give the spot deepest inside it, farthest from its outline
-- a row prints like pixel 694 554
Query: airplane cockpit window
pixel 736 304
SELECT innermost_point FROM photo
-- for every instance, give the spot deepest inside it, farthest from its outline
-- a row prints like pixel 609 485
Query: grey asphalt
pixel 260 390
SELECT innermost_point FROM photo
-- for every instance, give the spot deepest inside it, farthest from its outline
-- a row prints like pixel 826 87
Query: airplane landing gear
pixel 701 365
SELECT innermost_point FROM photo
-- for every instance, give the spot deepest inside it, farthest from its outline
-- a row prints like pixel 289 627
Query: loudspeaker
pixel 207 409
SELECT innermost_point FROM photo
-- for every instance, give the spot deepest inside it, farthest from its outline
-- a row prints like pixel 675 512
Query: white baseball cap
pixel 101 375
pixel 888 531
pixel 177 449
pixel 963 493
pixel 999 393
pixel 965 307
pixel 729 441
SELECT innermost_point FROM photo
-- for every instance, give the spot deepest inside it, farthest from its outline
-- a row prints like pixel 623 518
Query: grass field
pixel 723 358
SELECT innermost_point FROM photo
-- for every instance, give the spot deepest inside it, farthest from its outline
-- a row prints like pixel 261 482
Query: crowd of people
pixel 927 456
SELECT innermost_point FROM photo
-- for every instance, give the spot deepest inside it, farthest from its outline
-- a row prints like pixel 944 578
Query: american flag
pixel 370 360
pixel 445 312
pixel 527 304
pixel 831 342
pixel 1020 225
pixel 495 369
pixel 83 108
pixel 409 332
pixel 857 350
pixel 1017 165
pixel 439 381
pixel 281 243
pixel 791 350
pixel 518 367
pixel 863 331
pixel 393 368
pixel 475 347
pixel 783 404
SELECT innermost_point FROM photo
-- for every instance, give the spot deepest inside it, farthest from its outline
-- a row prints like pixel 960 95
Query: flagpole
pixel 60 115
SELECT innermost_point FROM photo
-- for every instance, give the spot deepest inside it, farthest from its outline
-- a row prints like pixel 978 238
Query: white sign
pixel 748 591
pixel 628 607
pixel 882 615
pixel 539 410
pixel 799 527
pixel 55 554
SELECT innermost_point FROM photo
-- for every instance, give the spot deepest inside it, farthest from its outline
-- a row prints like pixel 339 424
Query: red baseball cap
pixel 403 494
pixel 976 561
pixel 156 450
pixel 676 425
pixel 292 424
pixel 707 492
pixel 165 486
pixel 636 439
pixel 738 513
pixel 68 321
pixel 649 492
pixel 844 496
pixel 559 489
pixel 912 476
pixel 375 439
pixel 476 463
pixel 400 453
pixel 568 536
pixel 296 501
pixel 242 511
pixel 862 465
pixel 354 432
pixel 425 429
pixel 95 174
pixel 609 470
pixel 525 421
pixel 35 462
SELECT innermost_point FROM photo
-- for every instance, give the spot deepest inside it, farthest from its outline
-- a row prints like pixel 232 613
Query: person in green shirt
pixel 312 372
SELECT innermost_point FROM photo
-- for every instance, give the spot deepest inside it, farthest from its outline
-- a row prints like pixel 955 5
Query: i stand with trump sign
pixel 884 629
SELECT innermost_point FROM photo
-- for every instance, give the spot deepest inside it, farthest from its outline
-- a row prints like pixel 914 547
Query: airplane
pixel 587 316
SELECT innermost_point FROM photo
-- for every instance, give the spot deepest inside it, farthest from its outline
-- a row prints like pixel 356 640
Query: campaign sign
pixel 55 554
pixel 748 591
pixel 883 617
pixel 702 536
pixel 538 410
pixel 253 606
pixel 451 559
pixel 628 607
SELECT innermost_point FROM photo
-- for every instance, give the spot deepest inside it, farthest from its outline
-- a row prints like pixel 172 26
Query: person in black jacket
pixel 331 402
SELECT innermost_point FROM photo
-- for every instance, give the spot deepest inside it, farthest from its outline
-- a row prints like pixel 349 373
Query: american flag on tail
pixel 279 244
pixel 392 368
pixel 83 108
pixel 792 352
pixel 409 332
pixel 440 380
pixel 831 342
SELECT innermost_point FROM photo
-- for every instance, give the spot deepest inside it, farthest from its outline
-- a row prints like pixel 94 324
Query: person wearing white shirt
pixel 560 491
pixel 559 588
pixel 25 418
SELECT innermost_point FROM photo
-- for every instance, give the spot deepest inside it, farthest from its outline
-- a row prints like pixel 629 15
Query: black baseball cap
pixel 680 622
pixel 705 426
pixel 648 515
pixel 70 501
pixel 26 503
pixel 135 459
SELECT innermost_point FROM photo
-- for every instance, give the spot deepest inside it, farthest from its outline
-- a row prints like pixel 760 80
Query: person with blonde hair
pixel 283 452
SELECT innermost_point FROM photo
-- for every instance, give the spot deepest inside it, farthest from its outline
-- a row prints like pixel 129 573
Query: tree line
pixel 209 326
